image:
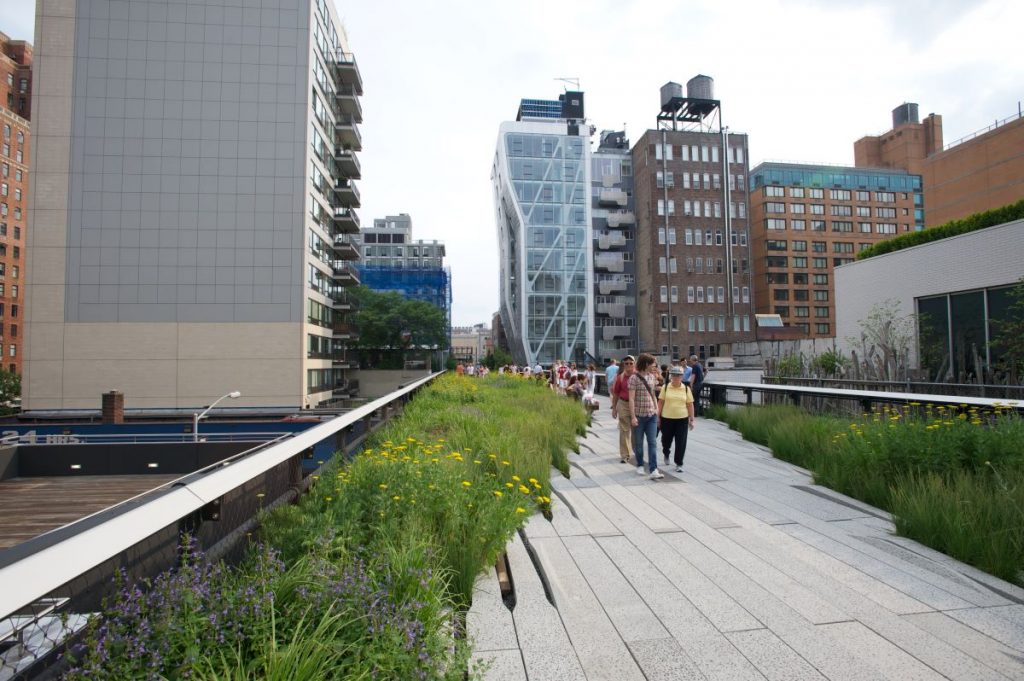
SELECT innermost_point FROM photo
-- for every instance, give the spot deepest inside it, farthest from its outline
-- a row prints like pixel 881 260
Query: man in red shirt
pixel 620 393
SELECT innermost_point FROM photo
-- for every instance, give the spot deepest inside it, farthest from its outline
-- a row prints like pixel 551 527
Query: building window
pixel 781 310
pixel 823 329
pixel 800 261
pixel 885 228
pixel 675 289
pixel 820 311
pixel 774 191
pixel 800 294
pixel 664 294
pixel 799 225
pixel 820 280
pixel 816 193
pixel 700 294
pixel 819 263
pixel 839 194
pixel 842 247
pixel 885 197
pixel 689 294
pixel 775 223
pixel 796 192
pixel 821 295
pixel 801 311
pixel 746 294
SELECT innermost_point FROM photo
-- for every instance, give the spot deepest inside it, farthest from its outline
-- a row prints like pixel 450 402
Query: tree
pixel 388 321
pixel 10 388
pixel 497 358
pixel 1009 339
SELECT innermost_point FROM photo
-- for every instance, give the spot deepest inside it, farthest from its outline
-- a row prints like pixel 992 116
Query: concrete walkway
pixel 738 568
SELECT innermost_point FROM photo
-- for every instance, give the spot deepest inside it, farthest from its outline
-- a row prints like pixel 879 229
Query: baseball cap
pixel 676 371
pixel 629 358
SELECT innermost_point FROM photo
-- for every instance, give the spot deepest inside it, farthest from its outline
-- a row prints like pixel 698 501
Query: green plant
pixel 971 223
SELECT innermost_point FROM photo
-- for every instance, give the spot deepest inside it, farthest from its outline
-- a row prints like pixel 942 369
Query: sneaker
pixel 679 469
pixel 640 470
pixel 656 475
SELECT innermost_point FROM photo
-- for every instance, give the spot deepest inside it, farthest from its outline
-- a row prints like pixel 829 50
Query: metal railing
pixel 29 439
pixel 979 133
pixel 54 584
pixel 1007 392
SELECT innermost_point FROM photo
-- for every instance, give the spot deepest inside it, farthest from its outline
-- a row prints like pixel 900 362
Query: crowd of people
pixel 648 399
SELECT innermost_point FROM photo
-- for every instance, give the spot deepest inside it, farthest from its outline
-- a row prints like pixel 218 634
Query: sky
pixel 803 78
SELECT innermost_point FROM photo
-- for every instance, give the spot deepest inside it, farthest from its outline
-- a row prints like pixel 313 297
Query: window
pixel 823 329
pixel 799 245
pixel 775 223
pixel 714 154
pixel 661 236
pixel 839 194
pixel 842 247
pixel 781 310
pixel 842 226
pixel 863 211
pixel 816 193
pixel 707 180
pixel 796 192
pixel 885 197
pixel 821 280
pixel 664 322
pixel 798 208
pixel 800 261
pixel 821 295
pixel 836 262
pixel 691 321
pixel 865 227
pixel 704 154
pixel 718 237
pixel 672 236
pixel 700 294
pixel 672 267
pixel 802 311
pixel 721 296
pixel 711 294
pixel 800 294
pixel 774 207
pixel 774 245
pixel 13 352
pixel 675 289
pixel 689 294
pixel 799 225
pixel 821 311
pixel 777 261
pixel 689 264
pixel 885 212
pixel 700 265
pixel 841 211
pixel 780 294
pixel 819 264
pixel 746 294
pixel 885 228
pixel 664 294
pixel 863 196
pixel 700 322
pixel 817 209
pixel 774 191
pixel 818 246
pixel 661 265
pixel 818 225
pixel 688 237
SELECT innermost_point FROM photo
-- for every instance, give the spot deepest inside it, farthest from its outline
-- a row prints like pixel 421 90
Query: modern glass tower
pixel 541 177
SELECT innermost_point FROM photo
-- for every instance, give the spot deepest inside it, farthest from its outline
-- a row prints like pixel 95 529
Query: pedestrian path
pixel 737 568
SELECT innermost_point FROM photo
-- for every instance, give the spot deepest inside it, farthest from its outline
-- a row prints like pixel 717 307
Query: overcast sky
pixel 804 78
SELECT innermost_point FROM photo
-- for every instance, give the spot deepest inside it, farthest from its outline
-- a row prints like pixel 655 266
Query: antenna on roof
pixel 570 81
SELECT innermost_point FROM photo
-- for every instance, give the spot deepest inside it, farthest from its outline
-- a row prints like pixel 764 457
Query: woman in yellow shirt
pixel 675 416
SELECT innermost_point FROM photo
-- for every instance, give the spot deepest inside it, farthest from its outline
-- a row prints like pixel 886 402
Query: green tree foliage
pixel 971 223
pixel 10 388
pixel 386 320
pixel 1009 338
pixel 496 358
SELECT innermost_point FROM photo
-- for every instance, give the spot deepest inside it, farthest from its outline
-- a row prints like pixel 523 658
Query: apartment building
pixel 806 220
pixel 614 230
pixel 15 112
pixel 541 178
pixel 193 174
pixel 692 242
pixel 979 172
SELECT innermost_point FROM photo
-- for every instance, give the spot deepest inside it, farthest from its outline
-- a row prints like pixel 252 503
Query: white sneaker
pixel 656 475
pixel 679 469
pixel 640 470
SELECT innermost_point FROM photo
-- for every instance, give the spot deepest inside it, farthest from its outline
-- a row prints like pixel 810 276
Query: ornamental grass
pixel 953 477
pixel 369 575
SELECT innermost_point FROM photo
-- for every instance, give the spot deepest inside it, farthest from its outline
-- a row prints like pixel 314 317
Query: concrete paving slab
pixel 595 522
pixel 895 664
pixel 990 652
pixel 643 513
pixel 488 622
pixel 664 660
pixel 539 526
pixel 772 657
pixel 598 645
pixel 684 501
pixel 499 665
pixel 994 624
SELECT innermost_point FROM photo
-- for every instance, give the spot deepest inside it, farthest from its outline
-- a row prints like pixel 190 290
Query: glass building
pixel 541 177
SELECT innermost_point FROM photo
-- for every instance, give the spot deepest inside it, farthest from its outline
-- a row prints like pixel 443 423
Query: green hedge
pixel 971 223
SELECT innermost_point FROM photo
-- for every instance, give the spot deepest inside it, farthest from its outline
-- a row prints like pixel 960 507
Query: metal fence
pixel 51 586
pixel 1001 392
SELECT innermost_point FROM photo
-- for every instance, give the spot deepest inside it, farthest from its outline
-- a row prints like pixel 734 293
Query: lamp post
pixel 234 394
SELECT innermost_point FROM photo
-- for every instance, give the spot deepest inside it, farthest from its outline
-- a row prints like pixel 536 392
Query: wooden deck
pixel 31 506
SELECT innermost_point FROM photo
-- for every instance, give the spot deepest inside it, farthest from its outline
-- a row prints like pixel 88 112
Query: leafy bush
pixel 971 223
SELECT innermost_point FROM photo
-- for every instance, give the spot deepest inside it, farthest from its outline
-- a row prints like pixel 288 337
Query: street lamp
pixel 234 394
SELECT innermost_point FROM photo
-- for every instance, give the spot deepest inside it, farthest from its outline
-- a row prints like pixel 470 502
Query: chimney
pixel 113 407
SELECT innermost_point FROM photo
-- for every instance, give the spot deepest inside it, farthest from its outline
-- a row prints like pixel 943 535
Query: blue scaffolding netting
pixel 430 284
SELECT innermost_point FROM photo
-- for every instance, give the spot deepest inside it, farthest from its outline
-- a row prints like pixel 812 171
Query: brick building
pixel 806 220
pixel 15 109
pixel 979 172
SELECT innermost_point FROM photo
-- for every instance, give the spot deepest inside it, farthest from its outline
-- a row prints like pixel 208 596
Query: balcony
pixel 345 331
pixel 345 363
pixel 346 133
pixel 346 221
pixel 346 194
pixel 346 101
pixel 611 262
pixel 610 240
pixel 613 332
pixel 622 218
pixel 612 197
pixel 345 274
pixel 608 287
pixel 346 71
pixel 347 163
pixel 617 310
pixel 344 249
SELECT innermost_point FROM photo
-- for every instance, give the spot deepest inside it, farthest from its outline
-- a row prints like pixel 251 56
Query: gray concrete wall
pixel 374 383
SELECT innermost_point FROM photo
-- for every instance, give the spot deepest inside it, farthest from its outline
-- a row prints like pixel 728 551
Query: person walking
pixel 610 372
pixel 696 382
pixel 643 410
pixel 675 416
pixel 619 391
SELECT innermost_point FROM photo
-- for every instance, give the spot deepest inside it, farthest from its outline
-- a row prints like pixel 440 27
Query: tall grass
pixel 369 574
pixel 953 479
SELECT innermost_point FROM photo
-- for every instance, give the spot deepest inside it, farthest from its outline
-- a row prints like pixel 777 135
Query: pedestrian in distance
pixel 610 372
pixel 696 382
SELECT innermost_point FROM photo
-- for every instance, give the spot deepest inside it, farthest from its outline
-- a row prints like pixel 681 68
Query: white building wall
pixel 986 258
